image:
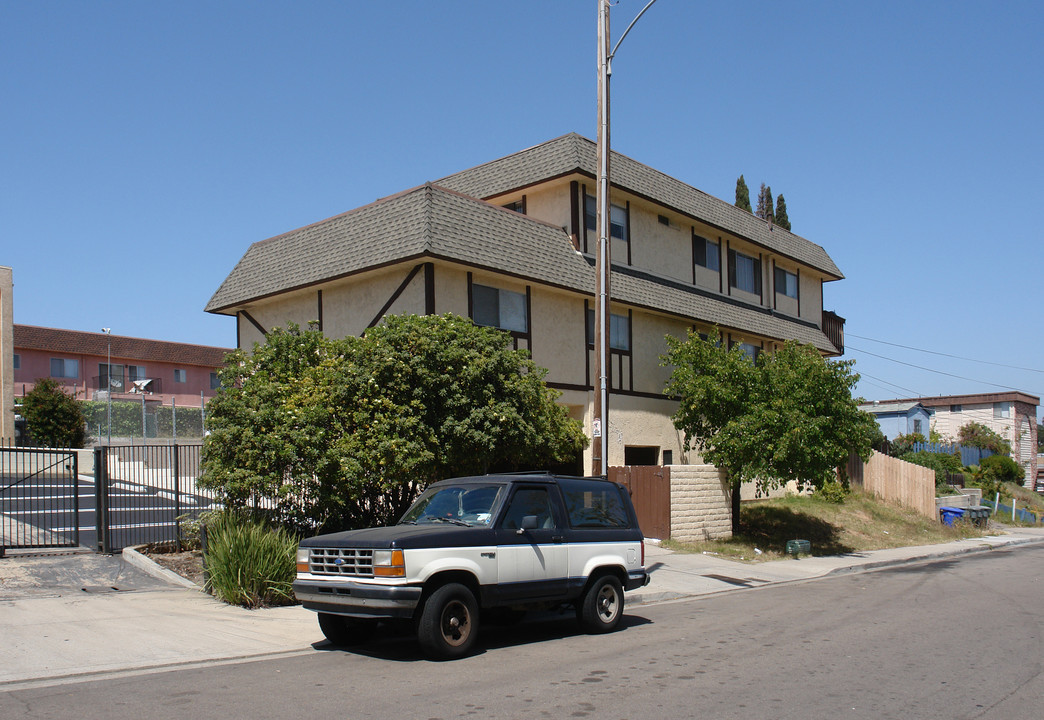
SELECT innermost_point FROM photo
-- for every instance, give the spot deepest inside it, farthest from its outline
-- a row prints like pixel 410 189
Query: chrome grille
pixel 341 561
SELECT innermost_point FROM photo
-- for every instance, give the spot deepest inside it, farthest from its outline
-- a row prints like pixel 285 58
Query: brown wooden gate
pixel 650 488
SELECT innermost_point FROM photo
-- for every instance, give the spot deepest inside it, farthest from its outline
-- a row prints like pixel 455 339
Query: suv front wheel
pixel 448 624
pixel 601 607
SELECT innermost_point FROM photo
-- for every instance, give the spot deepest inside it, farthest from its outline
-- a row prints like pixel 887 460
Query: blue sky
pixel 147 144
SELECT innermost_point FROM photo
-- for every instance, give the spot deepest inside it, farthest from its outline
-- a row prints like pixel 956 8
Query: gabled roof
pixel 883 408
pixel 574 153
pixel 431 222
pixel 75 342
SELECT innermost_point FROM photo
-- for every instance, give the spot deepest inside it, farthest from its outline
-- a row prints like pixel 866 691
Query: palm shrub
pixel 248 562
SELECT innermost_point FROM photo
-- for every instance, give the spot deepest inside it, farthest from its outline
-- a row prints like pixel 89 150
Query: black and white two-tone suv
pixel 497 544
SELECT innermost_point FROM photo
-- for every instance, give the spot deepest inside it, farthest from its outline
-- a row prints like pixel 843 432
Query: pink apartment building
pixel 90 364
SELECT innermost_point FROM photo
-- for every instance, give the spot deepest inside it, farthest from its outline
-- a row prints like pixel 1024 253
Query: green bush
pixel 249 563
pixel 832 491
pixel 53 417
pixel 1001 468
pixel 941 463
pixel 903 444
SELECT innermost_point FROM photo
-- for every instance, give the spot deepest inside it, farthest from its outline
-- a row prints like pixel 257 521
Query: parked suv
pixel 497 544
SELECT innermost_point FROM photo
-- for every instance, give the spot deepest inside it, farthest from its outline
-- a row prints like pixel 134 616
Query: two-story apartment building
pixel 89 365
pixel 511 244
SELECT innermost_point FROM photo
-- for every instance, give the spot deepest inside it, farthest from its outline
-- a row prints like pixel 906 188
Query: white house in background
pixel 1012 415
pixel 900 418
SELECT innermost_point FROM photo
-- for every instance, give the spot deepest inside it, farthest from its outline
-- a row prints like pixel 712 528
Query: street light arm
pixel 617 46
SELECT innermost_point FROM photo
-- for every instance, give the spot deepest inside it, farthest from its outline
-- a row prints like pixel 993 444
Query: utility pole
pixel 600 416
pixel 603 264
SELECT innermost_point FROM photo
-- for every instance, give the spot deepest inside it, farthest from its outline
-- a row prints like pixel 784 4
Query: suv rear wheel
pixel 601 607
pixel 448 623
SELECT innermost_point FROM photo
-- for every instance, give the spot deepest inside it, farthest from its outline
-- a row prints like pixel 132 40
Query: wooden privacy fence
pixel 896 481
pixel 650 488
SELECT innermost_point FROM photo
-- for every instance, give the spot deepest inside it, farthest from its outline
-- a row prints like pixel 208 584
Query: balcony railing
pixel 120 384
pixel 834 329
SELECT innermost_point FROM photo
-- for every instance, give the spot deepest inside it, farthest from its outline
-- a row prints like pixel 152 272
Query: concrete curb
pixel 929 556
pixel 149 566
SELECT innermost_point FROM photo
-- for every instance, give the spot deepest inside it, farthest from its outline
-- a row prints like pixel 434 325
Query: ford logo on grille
pixel 339 561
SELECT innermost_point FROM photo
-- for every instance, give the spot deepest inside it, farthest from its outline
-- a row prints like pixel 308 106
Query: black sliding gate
pixel 39 498
pixel 138 495
pixel 145 493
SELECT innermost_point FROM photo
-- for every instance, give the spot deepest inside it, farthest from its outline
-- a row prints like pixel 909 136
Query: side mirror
pixel 529 522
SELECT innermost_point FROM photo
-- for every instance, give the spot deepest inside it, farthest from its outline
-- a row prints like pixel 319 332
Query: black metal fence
pixel 146 494
pixel 39 498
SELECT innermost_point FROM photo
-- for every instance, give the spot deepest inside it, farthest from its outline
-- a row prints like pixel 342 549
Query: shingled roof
pixel 75 342
pixel 431 222
pixel 575 153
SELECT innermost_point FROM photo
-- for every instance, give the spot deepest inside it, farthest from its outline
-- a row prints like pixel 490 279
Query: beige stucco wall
pixel 638 422
pixel 811 292
pixel 350 306
pixel 6 354
pixel 701 506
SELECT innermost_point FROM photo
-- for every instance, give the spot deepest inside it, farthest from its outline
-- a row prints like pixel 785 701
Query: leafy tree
pixel 789 416
pixel 978 435
pixel 53 418
pixel 781 213
pixel 764 210
pixel 345 433
pixel 1040 438
pixel 742 194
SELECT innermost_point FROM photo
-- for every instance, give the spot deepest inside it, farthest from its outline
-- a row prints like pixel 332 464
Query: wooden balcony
pixel 834 329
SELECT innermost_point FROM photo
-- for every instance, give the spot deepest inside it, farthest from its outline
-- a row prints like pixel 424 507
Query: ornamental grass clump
pixel 249 563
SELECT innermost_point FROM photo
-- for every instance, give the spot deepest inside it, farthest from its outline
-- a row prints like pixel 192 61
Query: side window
pixel 529 501
pixel 594 504
pixel 504 309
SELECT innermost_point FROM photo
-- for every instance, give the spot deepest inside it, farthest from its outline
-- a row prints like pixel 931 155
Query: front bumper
pixel 349 597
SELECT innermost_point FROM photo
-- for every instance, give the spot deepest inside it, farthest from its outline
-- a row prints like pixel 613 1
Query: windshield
pixel 455 504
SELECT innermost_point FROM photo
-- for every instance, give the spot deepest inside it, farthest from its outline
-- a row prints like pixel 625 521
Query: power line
pixel 886 382
pixel 938 372
pixel 942 354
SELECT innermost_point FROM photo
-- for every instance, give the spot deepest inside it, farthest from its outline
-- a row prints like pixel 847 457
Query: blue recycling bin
pixel 950 514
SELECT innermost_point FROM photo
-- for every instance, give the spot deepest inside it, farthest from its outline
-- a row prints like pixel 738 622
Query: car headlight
pixel 302 559
pixel 389 563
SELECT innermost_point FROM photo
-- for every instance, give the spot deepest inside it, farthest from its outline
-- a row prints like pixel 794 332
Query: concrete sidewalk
pixel 72 617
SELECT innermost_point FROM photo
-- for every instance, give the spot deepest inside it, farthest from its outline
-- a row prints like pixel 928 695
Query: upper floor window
pixel 744 272
pixel 215 381
pixel 706 253
pixel 786 283
pixel 518 206
pixel 17 361
pixel 136 372
pixel 956 408
pixel 110 377
pixel 617 218
pixel 750 350
pixel 619 331
pixel 504 309
pixel 1002 410
pixel 62 368
pixel 180 375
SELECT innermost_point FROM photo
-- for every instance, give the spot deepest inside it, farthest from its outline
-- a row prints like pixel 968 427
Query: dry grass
pixel 859 523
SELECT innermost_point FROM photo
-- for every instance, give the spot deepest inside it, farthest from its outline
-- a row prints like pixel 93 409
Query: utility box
pixel 799 547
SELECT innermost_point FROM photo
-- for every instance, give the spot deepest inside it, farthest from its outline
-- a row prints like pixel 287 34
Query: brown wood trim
pixel 574 214
pixel 630 344
pixel 728 269
pixel 583 212
pixel 799 291
pixel 319 307
pixel 772 290
pixel 255 323
pixel 629 238
pixel 529 319
pixel 721 266
pixel 692 228
pixel 761 283
pixel 395 295
pixel 524 204
pixel 471 298
pixel 429 288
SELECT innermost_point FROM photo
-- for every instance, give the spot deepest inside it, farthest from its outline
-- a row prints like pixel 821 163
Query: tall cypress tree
pixel 764 210
pixel 781 213
pixel 742 195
